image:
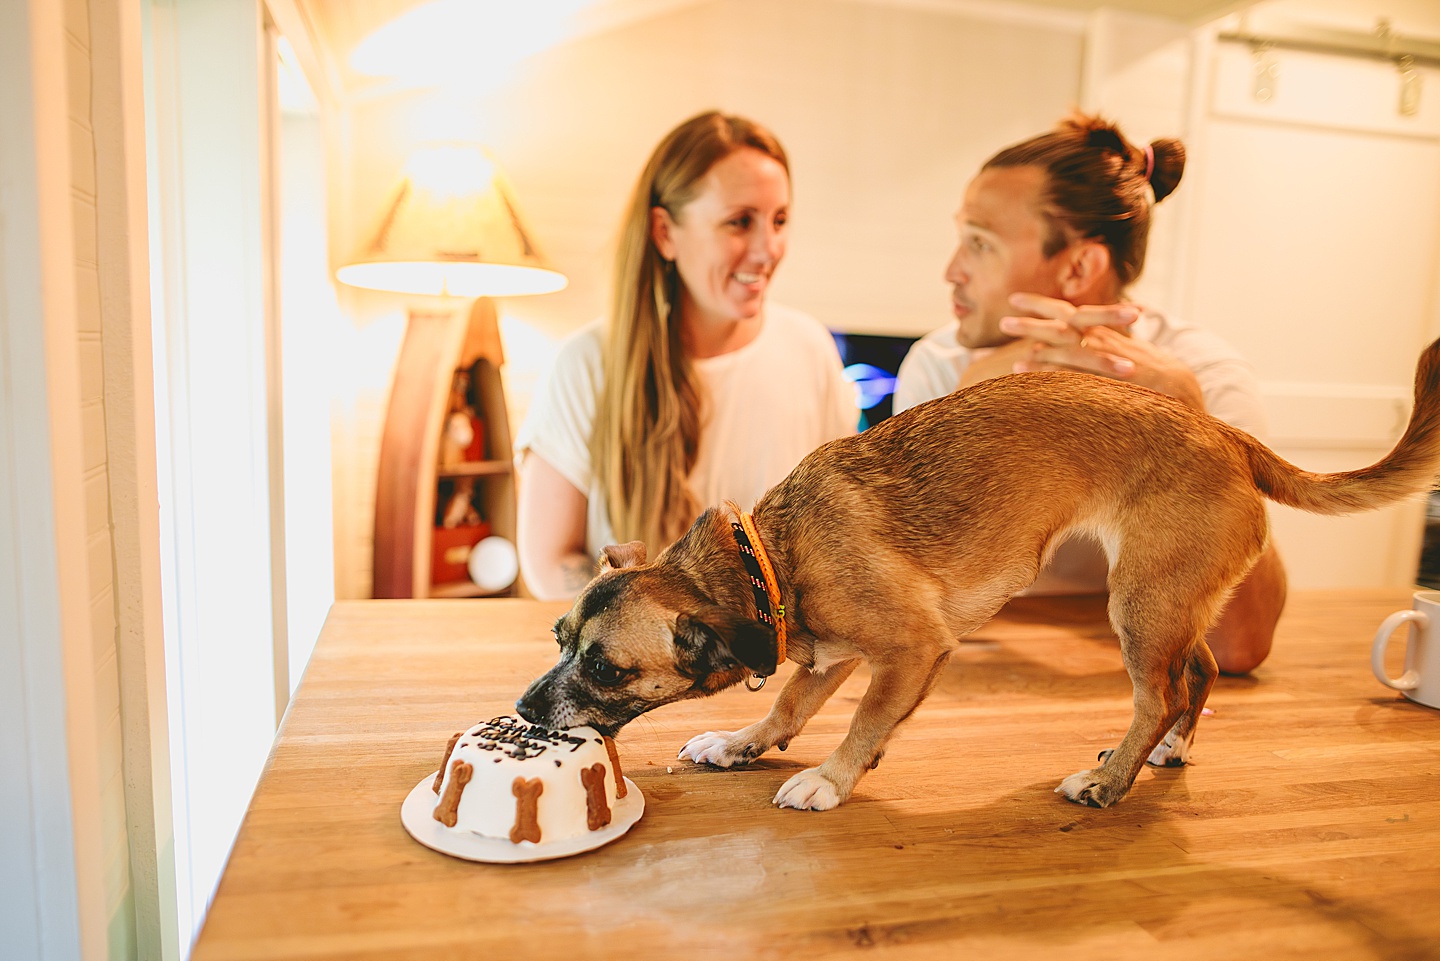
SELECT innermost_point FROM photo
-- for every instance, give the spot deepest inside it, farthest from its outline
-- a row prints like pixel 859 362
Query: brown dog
pixel 895 543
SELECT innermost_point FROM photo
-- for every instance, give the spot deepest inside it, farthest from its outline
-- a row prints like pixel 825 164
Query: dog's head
pixel 639 636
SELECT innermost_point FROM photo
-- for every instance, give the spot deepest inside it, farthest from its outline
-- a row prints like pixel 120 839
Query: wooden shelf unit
pixel 479 468
pixel 436 345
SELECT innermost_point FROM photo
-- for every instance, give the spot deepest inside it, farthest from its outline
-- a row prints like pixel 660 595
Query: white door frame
pixel 118 129
pixel 211 242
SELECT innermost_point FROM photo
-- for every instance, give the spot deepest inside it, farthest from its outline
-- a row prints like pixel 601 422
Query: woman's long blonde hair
pixel 647 427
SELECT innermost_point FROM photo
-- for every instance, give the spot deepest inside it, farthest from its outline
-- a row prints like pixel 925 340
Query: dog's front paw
pixel 1089 788
pixel 719 748
pixel 808 791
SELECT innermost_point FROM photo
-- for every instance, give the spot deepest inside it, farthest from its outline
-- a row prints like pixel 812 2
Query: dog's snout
pixel 533 706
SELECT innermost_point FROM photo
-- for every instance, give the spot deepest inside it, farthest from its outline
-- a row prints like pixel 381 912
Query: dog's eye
pixel 603 672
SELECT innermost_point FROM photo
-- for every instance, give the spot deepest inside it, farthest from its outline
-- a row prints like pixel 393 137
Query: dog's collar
pixel 764 584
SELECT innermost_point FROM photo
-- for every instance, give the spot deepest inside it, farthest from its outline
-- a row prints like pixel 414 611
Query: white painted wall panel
pixel 1314 248
pixel 50 865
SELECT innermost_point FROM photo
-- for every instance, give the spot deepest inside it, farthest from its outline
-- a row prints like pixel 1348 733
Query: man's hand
pixel 988 362
pixel 1096 340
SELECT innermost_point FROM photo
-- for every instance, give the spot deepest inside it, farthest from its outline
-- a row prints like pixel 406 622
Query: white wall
pixel 117 122
pixel 95 475
pixel 886 109
pixel 211 227
pixel 86 793
pixel 1314 248
pixel 1306 232
pixel 52 830
pixel 310 324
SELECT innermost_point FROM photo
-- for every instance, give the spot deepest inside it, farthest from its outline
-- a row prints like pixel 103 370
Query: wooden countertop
pixel 1306 826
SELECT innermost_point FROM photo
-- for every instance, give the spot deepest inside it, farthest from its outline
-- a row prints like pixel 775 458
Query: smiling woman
pixel 730 239
pixel 656 413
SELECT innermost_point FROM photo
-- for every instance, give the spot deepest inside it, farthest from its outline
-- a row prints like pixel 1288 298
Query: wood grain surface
pixel 1306 826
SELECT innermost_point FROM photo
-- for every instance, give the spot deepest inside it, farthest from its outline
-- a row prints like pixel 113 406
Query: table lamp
pixel 449 228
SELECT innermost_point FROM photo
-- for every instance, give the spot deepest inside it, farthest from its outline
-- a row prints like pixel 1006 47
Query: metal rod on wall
pixel 1340 44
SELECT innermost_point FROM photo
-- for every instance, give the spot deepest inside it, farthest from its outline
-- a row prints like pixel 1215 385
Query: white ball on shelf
pixel 493 564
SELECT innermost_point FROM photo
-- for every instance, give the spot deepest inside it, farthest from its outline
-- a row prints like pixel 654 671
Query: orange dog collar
pixel 769 608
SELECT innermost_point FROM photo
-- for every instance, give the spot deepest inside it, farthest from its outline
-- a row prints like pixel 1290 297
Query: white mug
pixel 1421 680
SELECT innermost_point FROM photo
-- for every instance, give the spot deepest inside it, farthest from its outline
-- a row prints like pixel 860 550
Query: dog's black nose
pixel 531 708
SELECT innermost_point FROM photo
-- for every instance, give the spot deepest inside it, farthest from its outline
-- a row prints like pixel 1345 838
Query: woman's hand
pixel 551 532
pixel 1095 339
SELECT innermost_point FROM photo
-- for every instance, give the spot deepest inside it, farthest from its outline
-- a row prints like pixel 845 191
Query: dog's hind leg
pixel 1161 627
pixel 1200 674
pixel 897 686
pixel 804 694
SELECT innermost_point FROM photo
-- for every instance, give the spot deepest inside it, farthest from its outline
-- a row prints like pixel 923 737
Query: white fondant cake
pixel 507 778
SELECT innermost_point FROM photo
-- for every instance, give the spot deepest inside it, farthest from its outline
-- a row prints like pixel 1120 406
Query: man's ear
pixel 620 556
pixel 1086 266
pixel 716 641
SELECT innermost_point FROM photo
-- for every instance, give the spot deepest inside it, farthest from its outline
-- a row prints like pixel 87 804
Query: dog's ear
pixel 714 641
pixel 619 556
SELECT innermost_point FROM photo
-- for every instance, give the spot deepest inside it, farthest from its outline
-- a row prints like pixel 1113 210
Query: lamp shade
pixel 451 227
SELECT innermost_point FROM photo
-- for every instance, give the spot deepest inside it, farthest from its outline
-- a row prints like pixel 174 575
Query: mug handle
pixel 1410 679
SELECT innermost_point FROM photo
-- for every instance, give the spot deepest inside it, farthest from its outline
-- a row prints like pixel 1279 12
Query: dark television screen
pixel 871 361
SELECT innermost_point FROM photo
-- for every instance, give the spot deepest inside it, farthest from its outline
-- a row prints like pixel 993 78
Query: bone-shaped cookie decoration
pixel 620 788
pixel 597 811
pixel 449 749
pixel 445 811
pixel 527 809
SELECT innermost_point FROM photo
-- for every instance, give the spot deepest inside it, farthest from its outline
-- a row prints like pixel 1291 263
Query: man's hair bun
pixel 1169 166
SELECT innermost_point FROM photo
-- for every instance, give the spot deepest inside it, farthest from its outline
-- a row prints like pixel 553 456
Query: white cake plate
pixel 417 814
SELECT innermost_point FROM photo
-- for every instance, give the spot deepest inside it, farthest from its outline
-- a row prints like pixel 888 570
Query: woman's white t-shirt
pixel 766 406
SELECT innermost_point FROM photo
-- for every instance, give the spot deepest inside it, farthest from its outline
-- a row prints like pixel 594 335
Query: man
pixel 1052 231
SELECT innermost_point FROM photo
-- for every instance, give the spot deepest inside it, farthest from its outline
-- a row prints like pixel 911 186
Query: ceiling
pixel 335 28
pixel 328 34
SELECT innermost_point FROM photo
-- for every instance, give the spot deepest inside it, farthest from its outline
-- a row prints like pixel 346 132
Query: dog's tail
pixel 1408 469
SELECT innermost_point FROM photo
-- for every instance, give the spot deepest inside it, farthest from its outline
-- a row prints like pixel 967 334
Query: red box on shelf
pixel 476 450
pixel 450 551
